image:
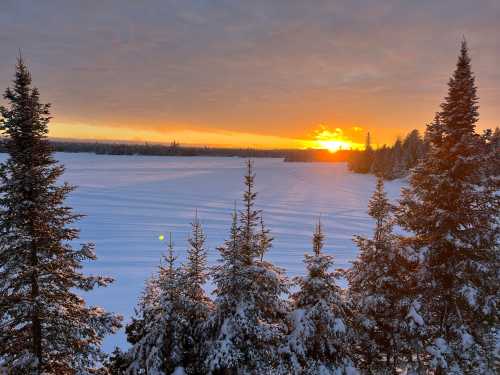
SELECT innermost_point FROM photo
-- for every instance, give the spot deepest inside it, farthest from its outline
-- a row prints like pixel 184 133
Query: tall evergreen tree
pixel 452 209
pixel 116 364
pixel 195 304
pixel 167 333
pixel 157 348
pixel 247 325
pixel 382 291
pixel 398 168
pixel 45 327
pixel 321 336
pixel 413 148
pixel 362 161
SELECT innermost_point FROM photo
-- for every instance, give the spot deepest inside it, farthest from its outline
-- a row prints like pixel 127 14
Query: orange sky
pixel 249 74
pixel 323 137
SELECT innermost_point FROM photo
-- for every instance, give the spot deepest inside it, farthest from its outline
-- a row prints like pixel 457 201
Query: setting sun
pixel 334 145
pixel 335 140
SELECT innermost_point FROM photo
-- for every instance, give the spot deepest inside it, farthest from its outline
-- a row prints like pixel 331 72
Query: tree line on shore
pixel 155 149
pixel 396 161
pixel 423 302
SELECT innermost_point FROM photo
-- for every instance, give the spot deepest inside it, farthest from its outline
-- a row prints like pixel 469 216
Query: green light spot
pixel 161 237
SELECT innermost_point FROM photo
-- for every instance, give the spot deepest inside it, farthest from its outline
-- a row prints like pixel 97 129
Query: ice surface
pixel 130 200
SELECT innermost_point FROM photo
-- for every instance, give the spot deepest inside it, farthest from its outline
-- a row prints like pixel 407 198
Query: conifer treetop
pixel 459 112
pixel 318 238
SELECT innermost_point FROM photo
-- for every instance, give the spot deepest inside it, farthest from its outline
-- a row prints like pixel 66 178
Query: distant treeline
pixel 390 162
pixel 173 149
pixel 321 156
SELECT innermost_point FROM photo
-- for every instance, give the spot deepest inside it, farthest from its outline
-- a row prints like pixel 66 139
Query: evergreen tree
pixel 195 303
pixel 389 162
pixel 382 291
pixel 158 341
pixel 45 327
pixel 492 139
pixel 413 149
pixel 321 337
pixel 398 168
pixel 247 325
pixel 116 364
pixel 452 209
pixel 150 295
pixel 383 162
pixel 362 161
pixel 167 333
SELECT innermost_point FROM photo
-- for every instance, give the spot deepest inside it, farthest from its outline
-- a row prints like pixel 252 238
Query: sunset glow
pixel 337 139
pixel 190 71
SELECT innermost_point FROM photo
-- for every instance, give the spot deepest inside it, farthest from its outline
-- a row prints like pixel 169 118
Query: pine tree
pixel 167 333
pixel 195 272
pixel 452 209
pixel 247 325
pixel 382 291
pixel 116 364
pixel 398 161
pixel 135 330
pixel 413 149
pixel 158 344
pixel 492 139
pixel 195 304
pixel 45 327
pixel 321 336
pixel 362 161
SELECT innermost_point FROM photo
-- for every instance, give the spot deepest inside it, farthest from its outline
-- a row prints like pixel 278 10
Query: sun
pixel 332 140
pixel 333 145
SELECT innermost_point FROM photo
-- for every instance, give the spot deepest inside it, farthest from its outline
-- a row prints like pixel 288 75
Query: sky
pixel 267 74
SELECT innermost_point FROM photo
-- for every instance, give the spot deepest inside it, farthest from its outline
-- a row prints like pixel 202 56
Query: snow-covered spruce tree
pixel 195 304
pixel 167 335
pixel 452 209
pixel 248 323
pixel 150 295
pixel 398 161
pixel 492 139
pixel 382 292
pixel 321 337
pixel 413 148
pixel 45 327
pixel 159 330
pixel 116 363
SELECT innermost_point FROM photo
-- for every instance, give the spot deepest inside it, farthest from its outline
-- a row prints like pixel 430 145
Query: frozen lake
pixel 130 200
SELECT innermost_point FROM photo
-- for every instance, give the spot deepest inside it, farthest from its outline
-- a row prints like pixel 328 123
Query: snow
pixel 413 314
pixel 130 200
pixel 179 371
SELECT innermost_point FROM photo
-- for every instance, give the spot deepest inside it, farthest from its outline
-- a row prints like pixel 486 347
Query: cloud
pixel 275 68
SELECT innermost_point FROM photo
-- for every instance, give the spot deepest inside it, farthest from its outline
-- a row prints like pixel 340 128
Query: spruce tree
pixel 382 291
pixel 158 343
pixel 195 304
pixel 45 327
pixel 247 326
pixel 398 161
pixel 116 364
pixel 413 149
pixel 167 333
pixel 452 208
pixel 321 338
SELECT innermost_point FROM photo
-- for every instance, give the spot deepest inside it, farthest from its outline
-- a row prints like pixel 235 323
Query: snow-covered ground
pixel 130 200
